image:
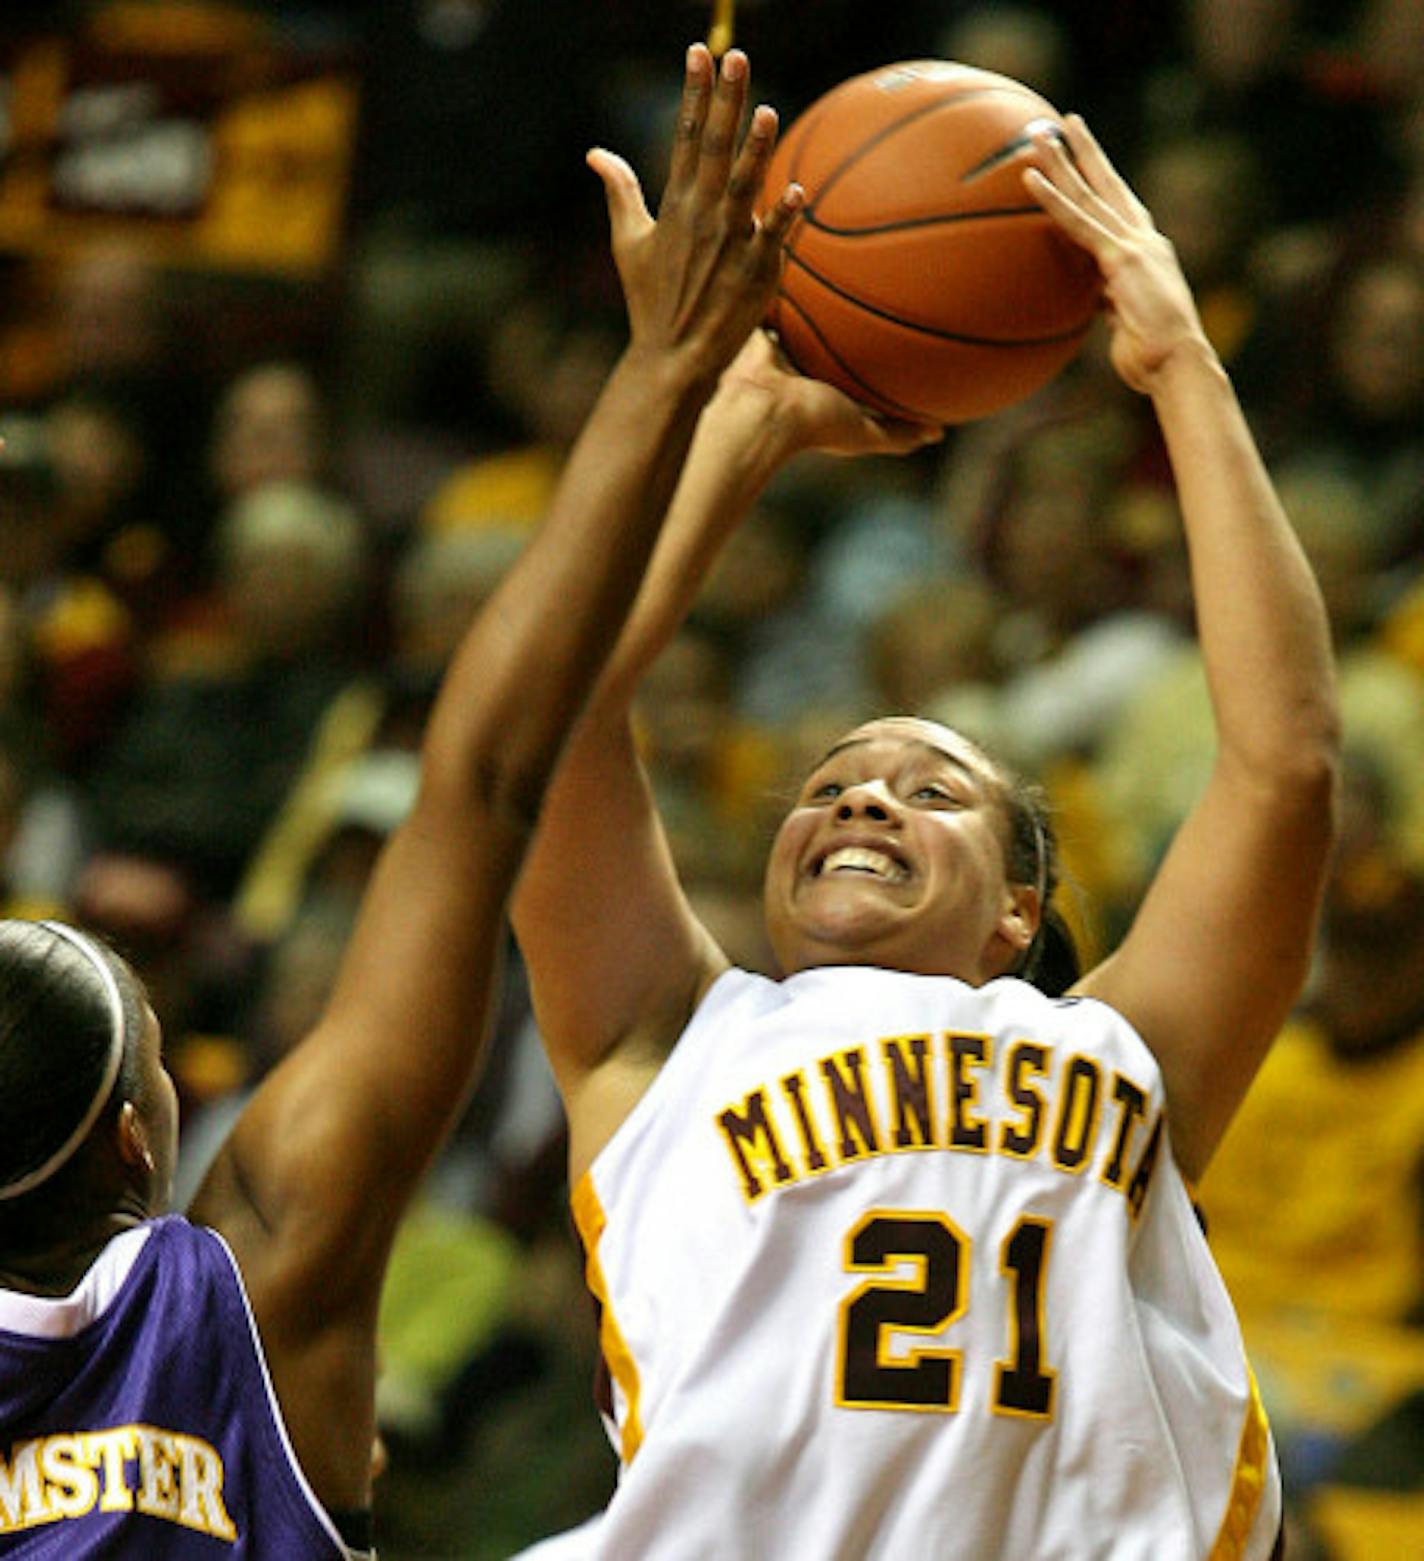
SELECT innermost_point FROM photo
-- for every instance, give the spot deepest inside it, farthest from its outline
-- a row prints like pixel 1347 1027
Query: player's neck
pixel 54 1267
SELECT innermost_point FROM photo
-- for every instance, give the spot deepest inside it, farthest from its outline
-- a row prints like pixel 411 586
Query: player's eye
pixel 826 791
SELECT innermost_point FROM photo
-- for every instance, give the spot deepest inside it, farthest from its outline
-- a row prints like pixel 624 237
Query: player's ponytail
pixel 1050 961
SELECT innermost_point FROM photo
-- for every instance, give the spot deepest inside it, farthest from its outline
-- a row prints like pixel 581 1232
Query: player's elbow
pixel 1305 775
pixel 1295 752
pixel 1313 767
pixel 1290 773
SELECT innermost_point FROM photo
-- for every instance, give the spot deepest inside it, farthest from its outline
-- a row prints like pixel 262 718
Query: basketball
pixel 920 277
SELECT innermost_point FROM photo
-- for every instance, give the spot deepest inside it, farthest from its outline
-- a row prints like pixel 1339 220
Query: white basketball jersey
pixel 892 1266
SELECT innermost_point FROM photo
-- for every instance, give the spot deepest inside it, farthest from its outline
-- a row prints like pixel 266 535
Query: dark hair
pixel 56 1040
pixel 1050 961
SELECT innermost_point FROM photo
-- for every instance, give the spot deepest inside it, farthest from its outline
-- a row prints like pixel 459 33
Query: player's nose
pixel 869 799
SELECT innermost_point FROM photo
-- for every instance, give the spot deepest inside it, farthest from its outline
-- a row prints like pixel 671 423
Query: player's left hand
pixel 1148 300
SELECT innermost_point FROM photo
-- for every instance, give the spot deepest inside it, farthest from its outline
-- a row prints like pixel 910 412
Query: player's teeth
pixel 859 859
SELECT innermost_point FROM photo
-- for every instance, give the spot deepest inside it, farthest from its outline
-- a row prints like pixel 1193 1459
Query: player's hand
pixel 809 414
pixel 1148 300
pixel 699 278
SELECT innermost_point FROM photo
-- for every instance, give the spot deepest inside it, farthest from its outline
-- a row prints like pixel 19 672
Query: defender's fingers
pixel 751 164
pixel 724 120
pixel 779 218
pixel 691 115
pixel 763 252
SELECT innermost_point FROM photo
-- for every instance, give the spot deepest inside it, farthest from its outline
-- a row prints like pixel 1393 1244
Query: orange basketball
pixel 920 277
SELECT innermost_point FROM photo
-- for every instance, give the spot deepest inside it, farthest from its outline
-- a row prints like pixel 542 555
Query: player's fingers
pixel 724 119
pixel 897 437
pixel 691 116
pixel 1054 158
pixel 627 211
pixel 1100 172
pixel 1069 215
pixel 750 167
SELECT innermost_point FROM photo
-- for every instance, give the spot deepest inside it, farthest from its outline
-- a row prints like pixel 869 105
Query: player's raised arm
pixel 616 958
pixel 1221 944
pixel 312 1184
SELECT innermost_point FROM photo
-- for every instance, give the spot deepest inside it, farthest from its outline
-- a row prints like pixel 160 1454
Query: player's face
pixel 894 855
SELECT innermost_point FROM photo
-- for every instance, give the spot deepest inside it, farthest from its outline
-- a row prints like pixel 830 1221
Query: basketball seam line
pixel 999 158
pixel 930 330
pixel 886 131
pixel 921 222
pixel 840 362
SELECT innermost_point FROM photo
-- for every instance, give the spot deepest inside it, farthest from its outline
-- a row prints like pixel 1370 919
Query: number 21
pixel 927 1303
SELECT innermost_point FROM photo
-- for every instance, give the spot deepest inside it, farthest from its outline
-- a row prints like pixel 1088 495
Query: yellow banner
pixel 216 154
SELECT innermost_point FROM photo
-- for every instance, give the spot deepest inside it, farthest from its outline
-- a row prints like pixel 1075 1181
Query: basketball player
pixel 896 1255
pixel 171 1389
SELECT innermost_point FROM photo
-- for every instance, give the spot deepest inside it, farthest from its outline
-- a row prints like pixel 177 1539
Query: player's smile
pixel 868 859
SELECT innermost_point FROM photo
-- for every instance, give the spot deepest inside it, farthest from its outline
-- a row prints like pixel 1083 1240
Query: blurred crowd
pixel 234 558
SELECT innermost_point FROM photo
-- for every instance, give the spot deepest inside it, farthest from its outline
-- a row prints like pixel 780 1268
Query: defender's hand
pixel 698 279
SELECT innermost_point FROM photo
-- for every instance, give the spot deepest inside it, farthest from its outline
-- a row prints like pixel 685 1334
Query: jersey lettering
pixel 934 1093
pixel 164 1474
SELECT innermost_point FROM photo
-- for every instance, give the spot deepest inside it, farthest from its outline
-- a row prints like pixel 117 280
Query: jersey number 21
pixel 928 1302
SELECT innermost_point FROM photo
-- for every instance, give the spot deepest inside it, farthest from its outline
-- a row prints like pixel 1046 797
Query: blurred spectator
pixel 270 426
pixel 117 344
pixel 934 636
pixel 218 735
pixel 41 838
pixel 103 475
pixel 437 586
pixel 711 771
pixel 1285 75
pixel 79 634
pixel 1155 756
pixel 1315 1203
pixel 1080 638
pixel 289 990
pixel 455 191
pixel 545 362
pixel 1210 194
pixel 805 598
pixel 1027 43
pixel 1363 416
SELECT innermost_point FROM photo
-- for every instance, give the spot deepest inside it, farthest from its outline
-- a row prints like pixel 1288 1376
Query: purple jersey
pixel 137 1417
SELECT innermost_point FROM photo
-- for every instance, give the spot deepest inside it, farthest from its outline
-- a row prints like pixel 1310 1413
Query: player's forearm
pixel 590 865
pixel 1263 629
pixel 553 617
pixel 733 454
pixel 740 444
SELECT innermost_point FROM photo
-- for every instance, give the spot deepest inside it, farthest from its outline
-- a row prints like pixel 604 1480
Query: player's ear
pixel 1018 920
pixel 134 1146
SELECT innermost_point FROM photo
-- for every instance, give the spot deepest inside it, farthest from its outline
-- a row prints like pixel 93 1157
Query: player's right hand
pixel 808 414
pixel 1149 303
